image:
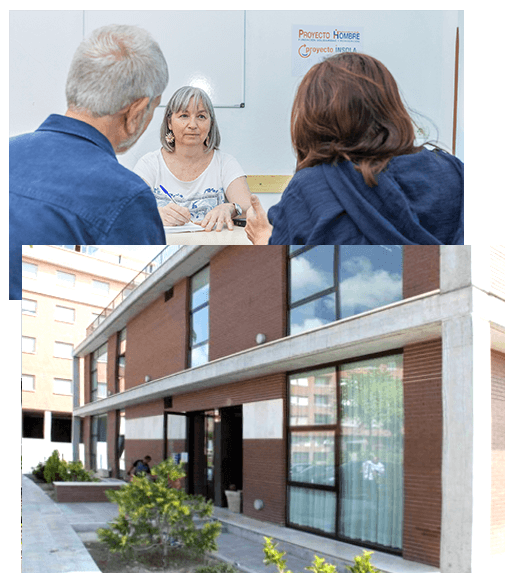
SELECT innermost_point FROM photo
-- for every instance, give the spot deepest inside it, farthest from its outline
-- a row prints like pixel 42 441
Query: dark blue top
pixel 66 186
pixel 419 200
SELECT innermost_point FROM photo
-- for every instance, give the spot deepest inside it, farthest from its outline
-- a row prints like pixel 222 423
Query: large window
pixel 199 319
pixel 98 449
pixel 331 282
pixel 121 348
pixel 99 373
pixel 345 472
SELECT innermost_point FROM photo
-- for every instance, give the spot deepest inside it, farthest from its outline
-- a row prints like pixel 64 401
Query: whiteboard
pixel 203 48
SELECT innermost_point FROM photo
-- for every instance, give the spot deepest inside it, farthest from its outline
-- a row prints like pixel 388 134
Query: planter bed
pixel 84 491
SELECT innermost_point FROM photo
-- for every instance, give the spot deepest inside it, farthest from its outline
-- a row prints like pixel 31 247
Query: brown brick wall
pixel 422 365
pixel 153 408
pixel 420 269
pixel 247 297
pixel 84 493
pixel 264 388
pixel 264 477
pixel 157 338
pixel 497 452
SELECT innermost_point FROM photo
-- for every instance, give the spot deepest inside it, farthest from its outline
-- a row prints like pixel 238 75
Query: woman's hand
pixel 174 215
pixel 258 229
pixel 218 216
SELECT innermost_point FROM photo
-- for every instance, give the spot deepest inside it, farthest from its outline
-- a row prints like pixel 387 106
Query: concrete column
pixel 75 427
pixel 465 535
pixel 47 427
pixel 466 471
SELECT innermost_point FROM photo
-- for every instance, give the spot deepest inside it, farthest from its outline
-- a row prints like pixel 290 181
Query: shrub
pixel 57 469
pixel 39 471
pixel 154 515
pixel 273 556
pixel 363 565
pixel 74 471
pixel 53 467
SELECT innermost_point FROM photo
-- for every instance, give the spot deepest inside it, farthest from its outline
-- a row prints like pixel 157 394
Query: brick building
pixel 353 392
pixel 63 292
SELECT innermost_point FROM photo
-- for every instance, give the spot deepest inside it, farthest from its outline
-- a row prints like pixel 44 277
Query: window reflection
pixel 371 484
pixel 313 314
pixel 331 282
pixel 312 458
pixel 346 433
pixel 311 272
pixel 312 398
pixel 200 288
pixel 99 373
pixel 199 319
pixel 369 277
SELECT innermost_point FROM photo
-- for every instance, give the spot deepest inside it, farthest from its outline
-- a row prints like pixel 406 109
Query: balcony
pixel 152 266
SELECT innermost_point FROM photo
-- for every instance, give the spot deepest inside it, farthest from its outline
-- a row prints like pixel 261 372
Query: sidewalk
pixel 49 543
pixel 53 533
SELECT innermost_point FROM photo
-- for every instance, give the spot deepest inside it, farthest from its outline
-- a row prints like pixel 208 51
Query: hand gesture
pixel 258 229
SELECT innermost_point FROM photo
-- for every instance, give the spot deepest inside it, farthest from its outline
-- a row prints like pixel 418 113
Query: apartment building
pixel 64 289
pixel 354 392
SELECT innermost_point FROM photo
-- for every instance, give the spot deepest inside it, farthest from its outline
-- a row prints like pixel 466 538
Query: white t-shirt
pixel 201 195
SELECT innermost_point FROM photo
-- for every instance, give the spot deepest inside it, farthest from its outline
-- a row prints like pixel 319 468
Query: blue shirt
pixel 66 186
pixel 419 200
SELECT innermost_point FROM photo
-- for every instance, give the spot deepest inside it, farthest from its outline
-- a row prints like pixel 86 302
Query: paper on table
pixel 189 227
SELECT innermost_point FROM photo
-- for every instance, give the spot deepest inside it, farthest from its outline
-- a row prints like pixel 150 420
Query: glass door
pixel 176 441
pixel 209 453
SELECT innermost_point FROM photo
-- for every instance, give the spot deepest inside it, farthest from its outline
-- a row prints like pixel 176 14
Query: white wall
pixel 263 419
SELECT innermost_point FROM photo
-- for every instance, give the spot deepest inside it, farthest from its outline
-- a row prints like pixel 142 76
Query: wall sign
pixel 311 44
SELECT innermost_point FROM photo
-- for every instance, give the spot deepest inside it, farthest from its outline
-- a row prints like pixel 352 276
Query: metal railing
pixel 142 276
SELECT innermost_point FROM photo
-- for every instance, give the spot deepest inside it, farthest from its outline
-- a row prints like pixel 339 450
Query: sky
pixel 143 252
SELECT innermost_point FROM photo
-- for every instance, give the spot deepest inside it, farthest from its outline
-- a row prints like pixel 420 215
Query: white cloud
pixel 368 288
pixel 307 278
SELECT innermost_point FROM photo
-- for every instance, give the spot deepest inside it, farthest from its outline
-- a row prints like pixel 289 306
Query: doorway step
pixel 300 547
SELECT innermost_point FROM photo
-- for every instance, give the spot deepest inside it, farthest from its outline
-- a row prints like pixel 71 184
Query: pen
pixel 165 191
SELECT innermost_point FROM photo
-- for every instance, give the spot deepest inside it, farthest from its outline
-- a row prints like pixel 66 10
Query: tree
pixel 154 514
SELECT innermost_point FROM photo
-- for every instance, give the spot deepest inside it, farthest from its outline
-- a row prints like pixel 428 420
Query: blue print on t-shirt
pixel 198 204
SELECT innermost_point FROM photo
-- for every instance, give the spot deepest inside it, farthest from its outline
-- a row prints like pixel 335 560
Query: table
pixel 225 237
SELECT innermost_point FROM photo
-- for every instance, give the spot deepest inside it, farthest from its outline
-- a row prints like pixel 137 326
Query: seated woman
pixel 191 178
pixel 359 177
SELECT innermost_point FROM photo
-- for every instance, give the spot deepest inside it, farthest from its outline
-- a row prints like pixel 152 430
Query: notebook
pixel 189 227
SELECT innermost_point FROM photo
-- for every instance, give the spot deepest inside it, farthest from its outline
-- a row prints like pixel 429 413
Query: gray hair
pixel 114 67
pixel 179 102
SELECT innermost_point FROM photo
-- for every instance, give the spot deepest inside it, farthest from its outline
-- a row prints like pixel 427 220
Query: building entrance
pixel 230 449
pixel 215 445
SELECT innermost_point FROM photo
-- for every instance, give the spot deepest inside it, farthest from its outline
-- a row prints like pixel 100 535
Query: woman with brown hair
pixel 359 177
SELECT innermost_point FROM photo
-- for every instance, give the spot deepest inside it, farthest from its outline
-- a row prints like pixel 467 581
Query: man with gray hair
pixel 66 185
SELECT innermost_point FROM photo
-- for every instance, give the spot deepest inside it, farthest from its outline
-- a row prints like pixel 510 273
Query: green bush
pixel 53 468
pixel 152 514
pixel 274 557
pixel 57 469
pixel 39 471
pixel 74 471
pixel 363 565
